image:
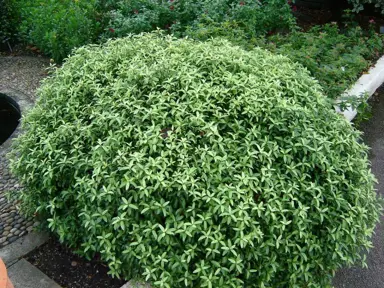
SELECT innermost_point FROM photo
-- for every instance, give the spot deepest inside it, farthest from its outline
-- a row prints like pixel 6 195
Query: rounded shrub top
pixel 196 165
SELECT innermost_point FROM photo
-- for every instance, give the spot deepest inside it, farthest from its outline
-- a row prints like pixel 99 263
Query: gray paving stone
pixel 24 275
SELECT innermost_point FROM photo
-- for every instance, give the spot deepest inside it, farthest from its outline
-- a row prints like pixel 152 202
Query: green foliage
pixel 8 20
pixel 358 5
pixel 360 104
pixel 335 58
pixel 196 165
pixel 56 27
pixel 257 17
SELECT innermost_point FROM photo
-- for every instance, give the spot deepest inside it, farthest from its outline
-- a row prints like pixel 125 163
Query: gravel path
pixel 21 75
pixel 12 225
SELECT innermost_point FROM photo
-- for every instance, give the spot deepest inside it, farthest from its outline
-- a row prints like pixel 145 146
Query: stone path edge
pixel 22 246
pixel 366 84
pixel 24 275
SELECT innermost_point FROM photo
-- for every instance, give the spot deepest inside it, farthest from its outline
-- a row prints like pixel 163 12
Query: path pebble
pixel 12 224
pixel 21 74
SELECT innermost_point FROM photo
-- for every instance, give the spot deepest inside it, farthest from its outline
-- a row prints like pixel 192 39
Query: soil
pixel 70 270
pixel 19 49
pixel 308 17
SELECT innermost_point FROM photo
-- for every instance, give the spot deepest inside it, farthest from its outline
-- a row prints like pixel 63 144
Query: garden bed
pixel 333 56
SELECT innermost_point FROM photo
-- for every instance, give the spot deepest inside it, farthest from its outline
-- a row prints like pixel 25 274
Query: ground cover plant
pixel 196 164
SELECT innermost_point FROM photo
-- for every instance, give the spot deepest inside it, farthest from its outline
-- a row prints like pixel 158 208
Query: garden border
pixel 367 84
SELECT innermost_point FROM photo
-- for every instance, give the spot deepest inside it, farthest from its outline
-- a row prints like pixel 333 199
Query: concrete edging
pixel 25 275
pixel 366 84
pixel 22 246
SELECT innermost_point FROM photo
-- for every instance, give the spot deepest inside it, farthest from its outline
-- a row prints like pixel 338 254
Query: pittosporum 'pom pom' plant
pixel 197 165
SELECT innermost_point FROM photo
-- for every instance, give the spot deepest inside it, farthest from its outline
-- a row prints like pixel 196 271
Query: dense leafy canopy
pixel 197 164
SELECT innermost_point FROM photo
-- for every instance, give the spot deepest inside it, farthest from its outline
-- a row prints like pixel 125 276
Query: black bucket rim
pixel 11 105
pixel 11 101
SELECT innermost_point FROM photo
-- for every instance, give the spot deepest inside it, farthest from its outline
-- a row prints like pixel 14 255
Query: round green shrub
pixel 197 164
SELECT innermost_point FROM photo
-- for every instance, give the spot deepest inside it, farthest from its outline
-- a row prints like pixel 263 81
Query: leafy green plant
pixel 358 5
pixel 360 104
pixel 196 164
pixel 8 20
pixel 56 27
pixel 257 17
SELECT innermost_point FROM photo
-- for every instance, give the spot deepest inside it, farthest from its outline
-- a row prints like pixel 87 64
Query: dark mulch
pixel 70 270
pixel 19 49
pixel 306 18
pixel 309 17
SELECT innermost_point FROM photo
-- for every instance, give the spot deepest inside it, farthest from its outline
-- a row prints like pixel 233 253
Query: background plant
pixel 257 17
pixel 8 21
pixel 56 27
pixel 197 165
pixel 358 5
